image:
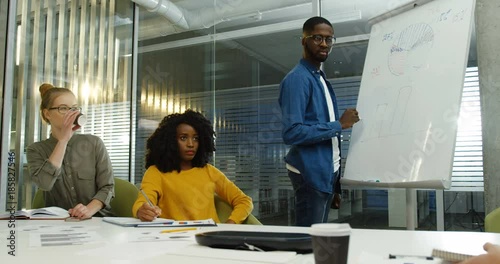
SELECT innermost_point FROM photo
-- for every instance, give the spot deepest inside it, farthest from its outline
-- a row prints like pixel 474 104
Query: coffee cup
pixel 330 243
pixel 80 120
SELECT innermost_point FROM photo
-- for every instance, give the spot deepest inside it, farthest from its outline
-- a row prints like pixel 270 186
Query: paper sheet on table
pixel 240 255
pixel 135 252
pixel 152 236
pixel 51 239
pixel 64 227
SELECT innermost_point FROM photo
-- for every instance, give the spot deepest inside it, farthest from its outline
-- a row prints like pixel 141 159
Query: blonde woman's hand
pixel 68 128
pixel 80 211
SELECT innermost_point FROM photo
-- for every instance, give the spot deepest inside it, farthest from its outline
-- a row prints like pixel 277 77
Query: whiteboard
pixel 409 98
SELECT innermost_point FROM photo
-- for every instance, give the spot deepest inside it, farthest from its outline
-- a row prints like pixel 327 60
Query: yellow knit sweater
pixel 189 195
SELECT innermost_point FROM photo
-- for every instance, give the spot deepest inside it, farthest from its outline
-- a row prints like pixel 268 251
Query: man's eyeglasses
pixel 64 109
pixel 318 39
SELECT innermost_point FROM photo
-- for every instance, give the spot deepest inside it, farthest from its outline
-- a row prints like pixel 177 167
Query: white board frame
pixel 420 157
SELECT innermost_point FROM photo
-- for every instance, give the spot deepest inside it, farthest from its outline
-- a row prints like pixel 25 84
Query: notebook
pixel 45 213
pixel 159 222
pixel 134 222
pixel 450 256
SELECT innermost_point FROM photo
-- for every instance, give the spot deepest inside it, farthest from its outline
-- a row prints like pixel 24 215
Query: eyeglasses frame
pixel 323 39
pixel 70 108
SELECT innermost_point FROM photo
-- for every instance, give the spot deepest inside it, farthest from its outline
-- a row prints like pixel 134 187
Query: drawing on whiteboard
pixel 409 50
pixel 459 16
pixel 444 15
pixel 410 96
pixel 390 121
pixel 376 72
pixel 388 36
pixel 376 126
pixel 402 105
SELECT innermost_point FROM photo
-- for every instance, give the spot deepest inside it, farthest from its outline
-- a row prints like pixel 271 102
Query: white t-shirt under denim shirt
pixel 335 143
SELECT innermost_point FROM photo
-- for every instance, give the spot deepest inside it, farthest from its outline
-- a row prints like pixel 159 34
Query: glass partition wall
pixel 228 65
pixel 227 61
pixel 224 58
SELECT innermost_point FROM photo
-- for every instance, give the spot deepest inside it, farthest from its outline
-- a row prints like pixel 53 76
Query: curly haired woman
pixel 179 181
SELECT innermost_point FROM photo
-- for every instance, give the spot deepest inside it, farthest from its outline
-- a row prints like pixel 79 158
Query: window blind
pixel 111 122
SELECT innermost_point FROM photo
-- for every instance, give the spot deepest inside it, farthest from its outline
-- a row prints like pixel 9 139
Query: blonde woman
pixel 73 170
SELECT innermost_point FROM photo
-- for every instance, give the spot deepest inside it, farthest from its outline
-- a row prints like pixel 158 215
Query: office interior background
pixel 131 63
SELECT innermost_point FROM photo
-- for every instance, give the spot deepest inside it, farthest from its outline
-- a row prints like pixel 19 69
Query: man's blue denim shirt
pixel 306 125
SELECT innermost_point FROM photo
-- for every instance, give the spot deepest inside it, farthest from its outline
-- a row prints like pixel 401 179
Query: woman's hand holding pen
pixel 148 213
pixel 229 221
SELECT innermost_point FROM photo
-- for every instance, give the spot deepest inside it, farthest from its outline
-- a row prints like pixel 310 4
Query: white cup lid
pixel 82 120
pixel 330 229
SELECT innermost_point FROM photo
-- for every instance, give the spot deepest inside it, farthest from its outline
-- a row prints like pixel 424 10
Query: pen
pixel 178 230
pixel 409 256
pixel 147 199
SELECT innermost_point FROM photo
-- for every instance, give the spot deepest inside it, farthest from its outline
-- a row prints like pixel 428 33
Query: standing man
pixel 311 125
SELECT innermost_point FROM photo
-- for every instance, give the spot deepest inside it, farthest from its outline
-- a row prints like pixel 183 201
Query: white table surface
pixel 114 245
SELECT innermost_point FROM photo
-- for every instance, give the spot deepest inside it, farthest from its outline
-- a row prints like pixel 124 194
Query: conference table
pixel 94 241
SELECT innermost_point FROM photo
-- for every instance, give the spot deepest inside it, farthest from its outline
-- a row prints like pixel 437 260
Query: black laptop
pixel 253 240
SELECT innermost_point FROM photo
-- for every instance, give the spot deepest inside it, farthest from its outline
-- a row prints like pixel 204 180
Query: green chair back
pixel 38 200
pixel 125 196
pixel 224 210
pixel 492 221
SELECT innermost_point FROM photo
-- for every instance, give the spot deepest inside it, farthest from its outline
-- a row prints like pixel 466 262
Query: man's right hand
pixel 68 128
pixel 147 213
pixel 349 118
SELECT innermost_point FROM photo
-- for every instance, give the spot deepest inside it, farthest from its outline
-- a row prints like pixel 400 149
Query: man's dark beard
pixel 314 56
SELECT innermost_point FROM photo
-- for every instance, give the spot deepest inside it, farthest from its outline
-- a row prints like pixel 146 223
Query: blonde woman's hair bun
pixel 44 88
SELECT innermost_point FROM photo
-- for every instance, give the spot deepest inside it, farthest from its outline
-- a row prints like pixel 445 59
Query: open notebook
pixel 159 222
pixel 38 214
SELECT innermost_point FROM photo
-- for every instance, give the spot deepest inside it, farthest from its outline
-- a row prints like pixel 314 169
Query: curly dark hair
pixel 162 148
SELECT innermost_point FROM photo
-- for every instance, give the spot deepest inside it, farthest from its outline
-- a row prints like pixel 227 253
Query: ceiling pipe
pixel 167 9
pixel 229 9
pixel 204 17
